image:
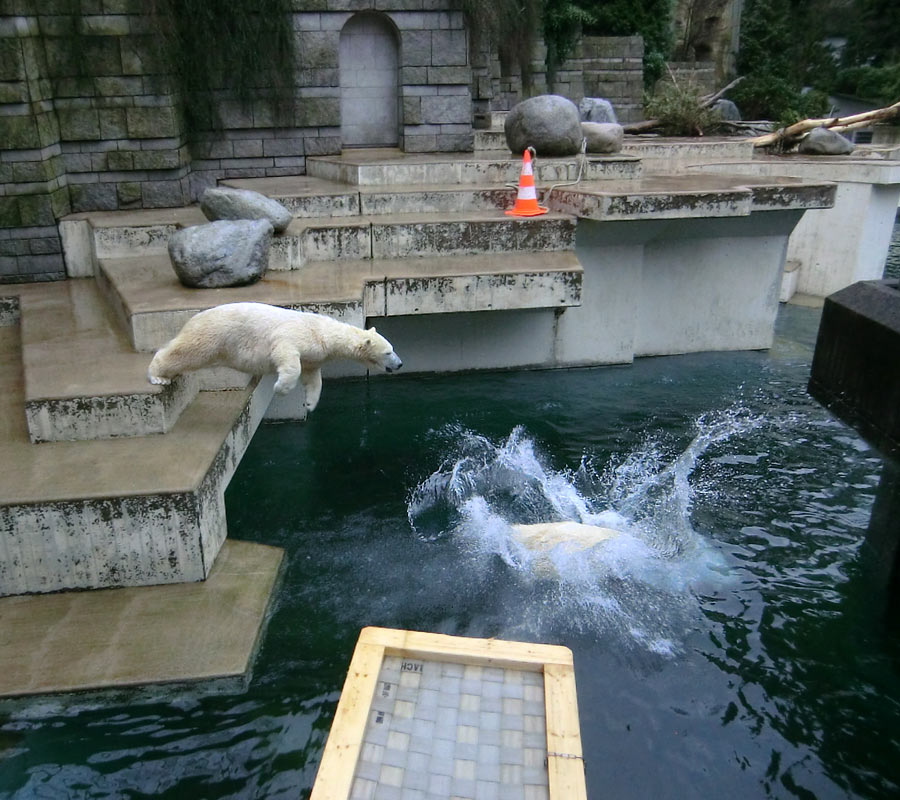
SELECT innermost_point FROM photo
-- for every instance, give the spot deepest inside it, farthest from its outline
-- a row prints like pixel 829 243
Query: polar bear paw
pixel 156 380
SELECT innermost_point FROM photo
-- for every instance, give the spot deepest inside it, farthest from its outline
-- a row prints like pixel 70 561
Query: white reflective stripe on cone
pixel 527 193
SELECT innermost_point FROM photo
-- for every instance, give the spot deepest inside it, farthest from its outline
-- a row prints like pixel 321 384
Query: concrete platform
pixel 83 379
pixel 75 641
pixel 846 241
pixel 118 512
pixel 661 197
pixel 153 305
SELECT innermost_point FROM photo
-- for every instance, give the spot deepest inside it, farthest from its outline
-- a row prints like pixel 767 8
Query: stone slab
pixel 83 380
pixel 659 197
pixel 111 638
pixel 391 167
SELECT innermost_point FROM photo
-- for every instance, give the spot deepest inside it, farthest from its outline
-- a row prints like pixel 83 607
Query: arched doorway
pixel 369 95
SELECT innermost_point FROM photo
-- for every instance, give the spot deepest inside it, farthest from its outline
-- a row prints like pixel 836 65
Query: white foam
pixel 641 583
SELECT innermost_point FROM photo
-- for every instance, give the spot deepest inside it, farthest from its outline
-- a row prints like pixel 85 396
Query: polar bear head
pixel 378 352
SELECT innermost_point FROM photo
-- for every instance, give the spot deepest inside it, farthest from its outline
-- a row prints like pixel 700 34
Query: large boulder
pixel 224 253
pixel 603 137
pixel 823 142
pixel 549 123
pixel 224 203
pixel 596 109
pixel 727 110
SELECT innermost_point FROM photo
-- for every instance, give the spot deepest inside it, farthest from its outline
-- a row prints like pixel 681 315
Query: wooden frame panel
pixel 565 764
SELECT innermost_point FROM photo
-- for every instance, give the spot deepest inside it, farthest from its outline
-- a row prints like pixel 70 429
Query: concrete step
pixel 83 379
pixel 127 511
pixel 388 168
pixel 491 140
pixel 400 199
pixel 305 195
pixel 153 306
pixel 379 235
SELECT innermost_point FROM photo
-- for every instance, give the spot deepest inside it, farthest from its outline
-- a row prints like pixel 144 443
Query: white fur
pixel 570 537
pixel 262 339
pixel 573 536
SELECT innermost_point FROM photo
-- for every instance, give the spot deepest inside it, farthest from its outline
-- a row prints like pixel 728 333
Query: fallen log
pixel 795 132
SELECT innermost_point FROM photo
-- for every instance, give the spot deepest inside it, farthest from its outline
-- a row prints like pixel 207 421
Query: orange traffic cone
pixel 526 203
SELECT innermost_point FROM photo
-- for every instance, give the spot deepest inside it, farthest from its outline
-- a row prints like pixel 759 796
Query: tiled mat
pixel 428 717
pixel 453 730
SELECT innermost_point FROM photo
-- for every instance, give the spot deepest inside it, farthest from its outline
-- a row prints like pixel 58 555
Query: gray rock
pixel 549 123
pixel 823 142
pixel 224 253
pixel 223 203
pixel 727 110
pixel 603 137
pixel 596 109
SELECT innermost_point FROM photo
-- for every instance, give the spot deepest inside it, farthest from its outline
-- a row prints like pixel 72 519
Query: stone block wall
pixel 701 74
pixel 613 68
pixel 599 66
pixel 100 126
pixel 33 188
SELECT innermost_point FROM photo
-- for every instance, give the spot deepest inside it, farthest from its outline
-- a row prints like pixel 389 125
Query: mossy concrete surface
pixel 74 641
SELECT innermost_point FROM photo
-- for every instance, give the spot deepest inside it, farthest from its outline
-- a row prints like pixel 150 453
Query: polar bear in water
pixel 570 537
pixel 542 537
pixel 262 339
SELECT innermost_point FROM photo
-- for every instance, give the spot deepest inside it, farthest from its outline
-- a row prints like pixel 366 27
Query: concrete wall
pixel 655 287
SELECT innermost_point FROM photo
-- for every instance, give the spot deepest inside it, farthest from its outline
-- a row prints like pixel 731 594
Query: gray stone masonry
pixel 103 129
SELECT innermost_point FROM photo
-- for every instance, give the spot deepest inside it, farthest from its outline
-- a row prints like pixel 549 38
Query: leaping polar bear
pixel 260 339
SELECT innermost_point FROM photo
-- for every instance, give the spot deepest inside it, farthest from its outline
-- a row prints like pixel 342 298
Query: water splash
pixel 641 586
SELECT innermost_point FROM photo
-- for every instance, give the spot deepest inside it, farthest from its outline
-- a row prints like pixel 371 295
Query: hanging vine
pixel 215 49
pixel 510 26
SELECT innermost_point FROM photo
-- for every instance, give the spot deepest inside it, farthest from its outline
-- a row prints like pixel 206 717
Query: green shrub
pixel 770 96
pixel 879 85
pixel 680 111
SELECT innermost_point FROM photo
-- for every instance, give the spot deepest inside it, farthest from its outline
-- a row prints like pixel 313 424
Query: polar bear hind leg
pixel 312 388
pixel 173 360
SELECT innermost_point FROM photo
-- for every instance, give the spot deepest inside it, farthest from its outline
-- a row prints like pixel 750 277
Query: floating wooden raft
pixel 427 715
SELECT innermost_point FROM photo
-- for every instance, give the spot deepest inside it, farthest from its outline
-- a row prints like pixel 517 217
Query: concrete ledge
pixel 661 154
pixel 154 506
pixel 153 306
pixel 75 641
pixel 663 197
pixel 839 243
pixel 385 167
pixel 82 379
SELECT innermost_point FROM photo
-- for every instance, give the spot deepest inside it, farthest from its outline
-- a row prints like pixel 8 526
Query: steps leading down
pixel 128 511
pixel 83 379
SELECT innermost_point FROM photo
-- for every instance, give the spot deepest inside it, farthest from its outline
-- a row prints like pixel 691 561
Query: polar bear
pixel 542 537
pixel 571 537
pixel 262 339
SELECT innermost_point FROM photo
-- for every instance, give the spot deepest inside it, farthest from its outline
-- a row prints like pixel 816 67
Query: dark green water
pixel 736 644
